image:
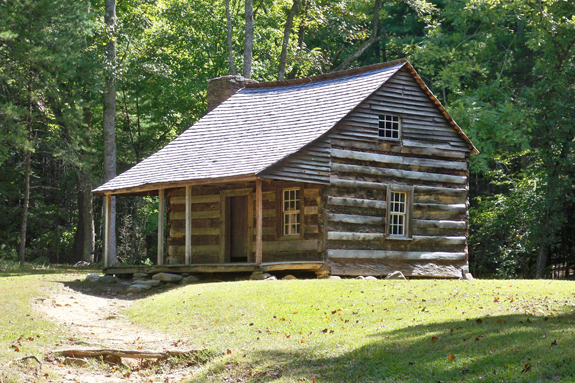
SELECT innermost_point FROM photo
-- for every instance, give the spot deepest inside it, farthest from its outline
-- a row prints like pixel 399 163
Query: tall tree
pixel 109 116
pixel 229 39
pixel 249 39
pixel 287 33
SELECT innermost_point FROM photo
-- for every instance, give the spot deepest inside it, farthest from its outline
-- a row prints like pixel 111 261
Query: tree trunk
pixel 287 32
pixel 109 117
pixel 22 252
pixel 84 240
pixel 249 39
pixel 365 46
pixel 230 48
pixel 24 226
pixel 543 249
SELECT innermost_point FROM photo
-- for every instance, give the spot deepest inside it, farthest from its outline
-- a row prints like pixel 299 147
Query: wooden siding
pixel 310 164
pixel 208 229
pixel 430 161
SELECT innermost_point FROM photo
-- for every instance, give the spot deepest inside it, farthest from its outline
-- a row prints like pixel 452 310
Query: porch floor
pixel 311 266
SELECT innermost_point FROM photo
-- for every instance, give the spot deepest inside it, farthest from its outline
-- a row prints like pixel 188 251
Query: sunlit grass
pixel 356 330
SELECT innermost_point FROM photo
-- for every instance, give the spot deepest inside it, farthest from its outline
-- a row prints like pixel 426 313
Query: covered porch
pixel 222 260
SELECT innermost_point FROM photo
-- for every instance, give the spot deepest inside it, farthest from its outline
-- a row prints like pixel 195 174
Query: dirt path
pixel 95 321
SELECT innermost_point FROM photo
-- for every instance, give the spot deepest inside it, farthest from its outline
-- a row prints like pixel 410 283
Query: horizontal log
pixel 376 267
pixel 398 173
pixel 309 210
pixel 174 233
pixel 270 195
pixel 134 354
pixel 439 224
pixel 415 142
pixel 390 254
pixel 281 266
pixel 357 219
pixel 196 214
pixel 311 192
pixel 344 183
pixel 437 190
pixel 311 229
pixel 383 146
pixel 198 249
pixel 440 240
pixel 195 199
pixel 398 160
pixel 356 202
pixel 457 207
pixel 352 236
pixel 289 245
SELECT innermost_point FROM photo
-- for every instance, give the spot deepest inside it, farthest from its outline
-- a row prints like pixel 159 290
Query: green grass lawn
pixel 373 331
pixel 23 332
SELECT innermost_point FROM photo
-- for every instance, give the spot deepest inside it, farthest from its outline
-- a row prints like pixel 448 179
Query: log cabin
pixel 358 172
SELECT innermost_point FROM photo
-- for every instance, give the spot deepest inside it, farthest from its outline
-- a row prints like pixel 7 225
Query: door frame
pixel 224 194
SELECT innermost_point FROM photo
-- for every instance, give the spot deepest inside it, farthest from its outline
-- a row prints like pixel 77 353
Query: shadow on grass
pixel 511 348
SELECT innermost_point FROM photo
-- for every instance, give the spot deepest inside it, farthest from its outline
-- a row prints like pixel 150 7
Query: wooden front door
pixel 237 229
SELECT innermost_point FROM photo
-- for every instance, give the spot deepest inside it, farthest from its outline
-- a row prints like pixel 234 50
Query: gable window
pixel 291 211
pixel 399 211
pixel 389 127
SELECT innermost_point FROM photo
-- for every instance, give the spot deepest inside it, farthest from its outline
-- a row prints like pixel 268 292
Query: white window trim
pixel 408 190
pixel 383 117
pixel 294 214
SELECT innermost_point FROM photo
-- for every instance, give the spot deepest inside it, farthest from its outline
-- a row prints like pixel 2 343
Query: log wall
pixel 430 160
pixel 208 228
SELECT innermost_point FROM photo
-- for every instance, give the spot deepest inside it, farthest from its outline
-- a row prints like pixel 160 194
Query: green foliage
pixel 504 70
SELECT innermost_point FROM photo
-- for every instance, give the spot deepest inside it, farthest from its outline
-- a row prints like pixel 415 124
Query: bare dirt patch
pixel 95 321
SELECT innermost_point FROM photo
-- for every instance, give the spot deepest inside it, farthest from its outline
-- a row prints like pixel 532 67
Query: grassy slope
pixel 354 330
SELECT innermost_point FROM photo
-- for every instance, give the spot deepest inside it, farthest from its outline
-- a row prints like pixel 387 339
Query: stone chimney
pixel 222 88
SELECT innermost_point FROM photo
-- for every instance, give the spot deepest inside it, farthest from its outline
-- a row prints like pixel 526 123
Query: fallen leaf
pixel 479 321
pixel 554 343
pixel 324 331
pixel 527 368
pixel 303 341
pixel 228 351
pixel 450 357
pixel 433 339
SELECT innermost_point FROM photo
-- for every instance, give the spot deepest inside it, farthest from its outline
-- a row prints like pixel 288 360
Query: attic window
pixel 389 127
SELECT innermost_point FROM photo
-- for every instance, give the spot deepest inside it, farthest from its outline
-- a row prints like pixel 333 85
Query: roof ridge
pixel 324 76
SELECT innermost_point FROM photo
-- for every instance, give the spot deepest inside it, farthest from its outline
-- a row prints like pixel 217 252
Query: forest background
pixel 505 71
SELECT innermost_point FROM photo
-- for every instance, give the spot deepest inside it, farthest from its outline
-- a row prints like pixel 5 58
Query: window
pixel 398 214
pixel 389 127
pixel 291 211
pixel 399 211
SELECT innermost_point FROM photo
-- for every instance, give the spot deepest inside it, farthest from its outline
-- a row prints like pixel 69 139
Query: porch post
pixel 107 231
pixel 188 225
pixel 258 221
pixel 161 233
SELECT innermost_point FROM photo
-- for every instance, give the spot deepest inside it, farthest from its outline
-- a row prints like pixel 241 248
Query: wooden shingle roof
pixel 255 128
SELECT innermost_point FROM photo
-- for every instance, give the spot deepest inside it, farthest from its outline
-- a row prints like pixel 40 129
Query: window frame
pixel 382 118
pixel 296 212
pixel 408 190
